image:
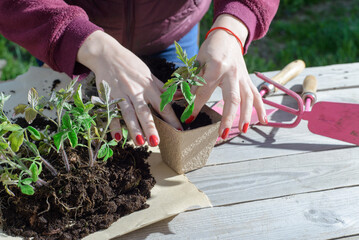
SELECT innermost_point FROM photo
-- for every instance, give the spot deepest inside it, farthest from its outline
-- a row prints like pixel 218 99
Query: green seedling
pixel 184 77
pixel 78 123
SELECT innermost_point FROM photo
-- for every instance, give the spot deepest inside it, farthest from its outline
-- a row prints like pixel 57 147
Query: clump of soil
pixel 86 200
pixel 201 120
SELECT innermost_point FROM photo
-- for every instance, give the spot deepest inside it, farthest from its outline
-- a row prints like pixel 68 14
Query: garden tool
pixel 330 119
pixel 309 92
pixel 289 72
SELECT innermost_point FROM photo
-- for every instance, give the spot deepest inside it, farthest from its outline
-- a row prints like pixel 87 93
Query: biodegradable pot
pixel 184 151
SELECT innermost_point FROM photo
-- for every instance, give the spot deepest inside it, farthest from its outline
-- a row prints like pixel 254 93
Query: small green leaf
pixel 104 91
pixel 27 189
pixel 192 60
pixel 16 139
pixel 88 106
pixel 201 79
pixel 3 99
pixel 113 142
pixel 167 96
pixel 170 82
pixel 58 139
pixel 103 151
pixel 26 181
pixel 108 154
pixel 34 171
pixel 78 98
pixel 73 138
pixel 9 127
pixel 186 90
pixel 3 145
pixel 33 97
pixel 19 109
pixel 30 115
pixel 66 121
pixel 125 136
pixel 97 101
pixel 36 134
pixel 180 71
pixel 187 112
pixel 32 147
pixel 181 55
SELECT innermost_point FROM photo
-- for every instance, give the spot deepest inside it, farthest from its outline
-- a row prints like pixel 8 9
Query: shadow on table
pixel 158 228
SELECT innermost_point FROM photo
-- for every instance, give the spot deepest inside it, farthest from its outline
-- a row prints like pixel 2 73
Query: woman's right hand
pixel 130 79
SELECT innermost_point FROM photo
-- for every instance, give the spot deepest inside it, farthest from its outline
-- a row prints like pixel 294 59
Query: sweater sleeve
pixel 255 14
pixel 50 30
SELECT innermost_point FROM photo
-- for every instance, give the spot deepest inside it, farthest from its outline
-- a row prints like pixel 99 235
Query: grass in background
pixel 318 31
pixel 18 59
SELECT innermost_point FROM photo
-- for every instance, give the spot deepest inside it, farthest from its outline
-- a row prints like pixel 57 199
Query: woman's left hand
pixel 225 67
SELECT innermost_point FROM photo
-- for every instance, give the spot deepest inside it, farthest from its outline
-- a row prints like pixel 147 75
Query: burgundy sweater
pixel 53 30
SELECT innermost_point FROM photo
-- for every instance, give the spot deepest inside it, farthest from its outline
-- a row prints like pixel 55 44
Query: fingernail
pixel 225 133
pixel 266 119
pixel 179 129
pixel 118 137
pixel 153 141
pixel 140 140
pixel 245 127
pixel 189 120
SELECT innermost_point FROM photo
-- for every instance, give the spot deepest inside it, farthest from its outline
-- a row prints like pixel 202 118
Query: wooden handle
pixel 289 72
pixel 309 84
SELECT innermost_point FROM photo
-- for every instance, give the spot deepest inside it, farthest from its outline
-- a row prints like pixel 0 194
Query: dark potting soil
pixel 39 122
pixel 83 201
pixel 163 71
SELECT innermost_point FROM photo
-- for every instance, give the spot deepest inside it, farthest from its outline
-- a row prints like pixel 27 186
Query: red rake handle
pixel 298 112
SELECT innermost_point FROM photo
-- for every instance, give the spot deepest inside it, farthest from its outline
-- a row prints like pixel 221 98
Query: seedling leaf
pixel 186 90
pixel 34 171
pixel 167 96
pixel 30 115
pixel 187 112
pixel 27 189
pixel 73 138
pixel 16 139
pixel 33 97
pixel 19 109
pixel 78 98
pixel 34 133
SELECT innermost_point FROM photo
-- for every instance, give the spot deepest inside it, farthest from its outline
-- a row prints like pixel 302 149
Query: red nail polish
pixel 139 139
pixel 153 141
pixel 179 129
pixel 189 120
pixel 225 133
pixel 245 127
pixel 118 137
pixel 266 119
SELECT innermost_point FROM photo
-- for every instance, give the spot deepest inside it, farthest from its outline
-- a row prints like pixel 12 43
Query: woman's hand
pixel 225 67
pixel 130 79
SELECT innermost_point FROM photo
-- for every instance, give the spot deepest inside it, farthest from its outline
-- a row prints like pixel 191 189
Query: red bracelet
pixel 228 31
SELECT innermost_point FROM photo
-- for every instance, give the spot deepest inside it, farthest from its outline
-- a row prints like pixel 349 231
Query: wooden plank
pixel 329 77
pixel 271 142
pixel 320 215
pixel 276 177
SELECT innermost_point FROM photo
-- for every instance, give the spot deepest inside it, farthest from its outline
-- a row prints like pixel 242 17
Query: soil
pixel 163 71
pixel 86 200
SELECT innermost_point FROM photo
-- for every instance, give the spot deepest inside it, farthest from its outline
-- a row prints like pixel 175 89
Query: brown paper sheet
pixel 172 193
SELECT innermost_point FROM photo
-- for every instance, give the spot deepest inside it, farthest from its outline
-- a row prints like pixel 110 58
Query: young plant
pixel 183 77
pixel 79 123
pixel 14 168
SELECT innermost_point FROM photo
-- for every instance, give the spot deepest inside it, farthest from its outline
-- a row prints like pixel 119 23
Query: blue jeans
pixel 189 43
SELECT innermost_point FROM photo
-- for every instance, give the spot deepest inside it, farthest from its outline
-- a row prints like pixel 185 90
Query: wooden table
pixel 277 183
